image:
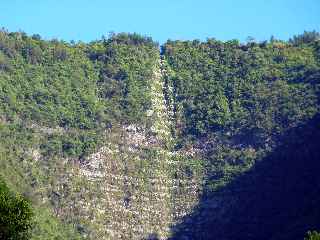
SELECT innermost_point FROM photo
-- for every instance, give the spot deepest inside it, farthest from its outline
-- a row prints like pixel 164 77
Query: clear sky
pixel 88 20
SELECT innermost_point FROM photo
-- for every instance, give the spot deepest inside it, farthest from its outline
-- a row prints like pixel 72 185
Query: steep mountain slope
pixel 114 140
pixel 92 138
pixel 278 198
pixel 253 111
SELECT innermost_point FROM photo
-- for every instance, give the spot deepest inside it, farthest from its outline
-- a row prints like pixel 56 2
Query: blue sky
pixel 88 20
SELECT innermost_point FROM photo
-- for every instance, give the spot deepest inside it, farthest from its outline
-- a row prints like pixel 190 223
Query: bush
pixel 15 215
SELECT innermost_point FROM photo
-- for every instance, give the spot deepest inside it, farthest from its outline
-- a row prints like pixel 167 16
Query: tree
pixel 15 215
pixel 305 38
pixel 312 235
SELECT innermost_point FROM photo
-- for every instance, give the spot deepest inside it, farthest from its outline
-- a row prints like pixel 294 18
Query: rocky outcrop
pixel 135 186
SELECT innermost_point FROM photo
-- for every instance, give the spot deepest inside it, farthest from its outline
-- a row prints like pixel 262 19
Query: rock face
pixel 135 186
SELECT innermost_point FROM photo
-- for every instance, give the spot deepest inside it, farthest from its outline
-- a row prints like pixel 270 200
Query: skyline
pixel 176 20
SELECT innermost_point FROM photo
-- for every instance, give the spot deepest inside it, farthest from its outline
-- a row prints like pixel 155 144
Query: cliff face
pixel 205 140
pixel 134 186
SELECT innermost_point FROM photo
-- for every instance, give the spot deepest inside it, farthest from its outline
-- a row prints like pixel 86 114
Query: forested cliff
pixel 121 138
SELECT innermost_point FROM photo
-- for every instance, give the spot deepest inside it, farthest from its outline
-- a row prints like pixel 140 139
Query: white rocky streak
pixel 124 193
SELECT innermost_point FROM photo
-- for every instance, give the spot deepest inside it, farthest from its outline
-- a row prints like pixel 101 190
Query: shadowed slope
pixel 278 198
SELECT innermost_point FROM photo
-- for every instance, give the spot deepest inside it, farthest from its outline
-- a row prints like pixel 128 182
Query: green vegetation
pixel 312 235
pixel 61 102
pixel 234 100
pixel 57 100
pixel 255 89
pixel 15 215
pixel 80 88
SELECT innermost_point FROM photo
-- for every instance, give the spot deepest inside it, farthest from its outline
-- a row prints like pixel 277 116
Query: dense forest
pixel 236 100
pixel 236 120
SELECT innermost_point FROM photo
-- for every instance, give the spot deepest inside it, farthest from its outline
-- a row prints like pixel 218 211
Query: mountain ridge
pixel 116 140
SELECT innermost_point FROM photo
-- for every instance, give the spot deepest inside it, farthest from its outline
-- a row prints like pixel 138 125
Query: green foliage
pixel 76 144
pixel 312 235
pixel 78 87
pixel 55 83
pixel 15 215
pixel 49 227
pixel 230 103
pixel 241 89
pixel 4 63
pixel 233 101
pixel 57 102
pixel 31 179
pixel 305 38
pixel 126 63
